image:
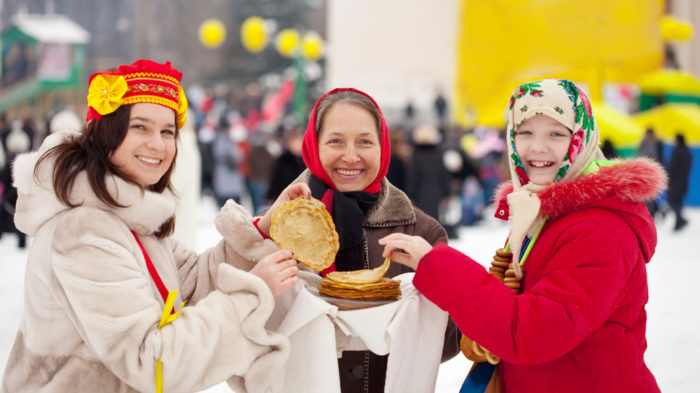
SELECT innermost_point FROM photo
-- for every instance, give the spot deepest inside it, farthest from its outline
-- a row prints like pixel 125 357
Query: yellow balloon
pixel 684 32
pixel 288 42
pixel 253 35
pixel 312 46
pixel 673 29
pixel 212 33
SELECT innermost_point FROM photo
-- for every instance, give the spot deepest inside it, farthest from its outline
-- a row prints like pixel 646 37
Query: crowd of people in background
pixel 235 152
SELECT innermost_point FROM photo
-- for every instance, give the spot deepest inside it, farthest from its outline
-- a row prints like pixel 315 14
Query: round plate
pixel 349 304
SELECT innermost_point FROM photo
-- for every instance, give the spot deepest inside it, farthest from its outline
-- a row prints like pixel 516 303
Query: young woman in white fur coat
pixel 105 283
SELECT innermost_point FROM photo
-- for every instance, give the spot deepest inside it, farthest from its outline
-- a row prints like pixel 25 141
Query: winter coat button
pixel 358 371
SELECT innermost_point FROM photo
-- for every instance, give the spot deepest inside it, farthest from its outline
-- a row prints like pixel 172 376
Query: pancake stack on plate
pixel 366 284
pixel 305 227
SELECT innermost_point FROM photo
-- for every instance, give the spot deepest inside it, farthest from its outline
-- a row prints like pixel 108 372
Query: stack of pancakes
pixel 384 289
pixel 305 227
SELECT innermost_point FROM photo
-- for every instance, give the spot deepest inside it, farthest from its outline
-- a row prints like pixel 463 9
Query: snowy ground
pixel 673 354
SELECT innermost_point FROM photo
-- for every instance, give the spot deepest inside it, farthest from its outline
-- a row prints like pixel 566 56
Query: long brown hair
pixel 90 152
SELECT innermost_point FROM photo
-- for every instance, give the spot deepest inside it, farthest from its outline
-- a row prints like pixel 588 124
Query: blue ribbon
pixel 478 378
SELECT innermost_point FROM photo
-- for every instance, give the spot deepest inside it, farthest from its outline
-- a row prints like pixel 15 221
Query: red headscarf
pixel 309 149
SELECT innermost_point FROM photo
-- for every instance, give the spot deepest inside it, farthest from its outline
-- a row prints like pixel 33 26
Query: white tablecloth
pixel 411 330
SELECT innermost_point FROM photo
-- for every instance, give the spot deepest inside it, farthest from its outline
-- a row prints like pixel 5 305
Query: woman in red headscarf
pixel 347 151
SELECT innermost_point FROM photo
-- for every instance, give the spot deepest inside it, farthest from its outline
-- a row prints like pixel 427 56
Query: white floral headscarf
pixel 562 101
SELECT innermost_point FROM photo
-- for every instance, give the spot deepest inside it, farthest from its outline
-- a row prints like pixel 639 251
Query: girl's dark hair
pixel 90 152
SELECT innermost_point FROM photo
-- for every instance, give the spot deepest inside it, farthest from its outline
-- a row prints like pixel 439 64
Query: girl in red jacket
pixel 571 316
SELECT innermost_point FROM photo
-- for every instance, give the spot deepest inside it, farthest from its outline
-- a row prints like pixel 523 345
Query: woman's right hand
pixel 278 270
pixel 405 249
pixel 289 194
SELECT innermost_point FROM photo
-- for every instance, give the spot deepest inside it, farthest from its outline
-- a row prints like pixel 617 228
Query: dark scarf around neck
pixel 348 210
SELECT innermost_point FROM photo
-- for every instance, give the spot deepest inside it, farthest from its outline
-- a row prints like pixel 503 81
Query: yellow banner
pixel 503 43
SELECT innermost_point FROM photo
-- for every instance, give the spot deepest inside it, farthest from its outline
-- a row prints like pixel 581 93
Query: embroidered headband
pixel 144 81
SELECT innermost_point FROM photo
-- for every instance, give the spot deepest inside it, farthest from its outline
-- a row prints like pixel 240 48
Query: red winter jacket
pixel 579 325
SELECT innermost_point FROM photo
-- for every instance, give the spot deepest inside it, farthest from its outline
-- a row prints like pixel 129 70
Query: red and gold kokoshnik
pixel 155 88
pixel 144 81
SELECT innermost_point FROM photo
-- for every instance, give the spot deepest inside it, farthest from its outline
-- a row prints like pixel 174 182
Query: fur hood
pixel 144 211
pixel 636 180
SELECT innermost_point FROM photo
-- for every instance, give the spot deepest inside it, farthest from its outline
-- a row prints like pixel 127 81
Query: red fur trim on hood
pixel 502 191
pixel 638 180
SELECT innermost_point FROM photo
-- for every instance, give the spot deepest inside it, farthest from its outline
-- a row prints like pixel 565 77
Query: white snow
pixel 54 28
pixel 673 353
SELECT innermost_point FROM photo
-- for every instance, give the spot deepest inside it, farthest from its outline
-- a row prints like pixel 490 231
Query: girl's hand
pixel 404 249
pixel 290 193
pixel 278 270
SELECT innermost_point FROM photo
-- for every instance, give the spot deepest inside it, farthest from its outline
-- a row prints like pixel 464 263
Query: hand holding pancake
pixel 404 249
pixel 292 192
pixel 305 227
pixel 278 270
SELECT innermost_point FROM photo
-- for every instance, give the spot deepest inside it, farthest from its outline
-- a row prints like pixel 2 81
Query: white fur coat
pixel 91 308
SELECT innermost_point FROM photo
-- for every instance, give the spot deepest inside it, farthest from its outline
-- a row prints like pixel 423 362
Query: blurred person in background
pixel 17 142
pixel 206 134
pixel 4 180
pixel 679 173
pixel 400 157
pixel 428 180
pixel 4 126
pixel 441 110
pixel 651 147
pixel 409 117
pixel 462 172
pixel 260 163
pixel 609 150
pixel 288 166
pixel 187 181
pixel 563 309
pixel 347 150
pixel 18 125
pixel 105 281
pixel 65 120
pixel 488 152
pixel 228 181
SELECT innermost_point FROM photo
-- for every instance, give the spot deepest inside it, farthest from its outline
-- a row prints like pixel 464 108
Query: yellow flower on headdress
pixel 106 92
pixel 182 107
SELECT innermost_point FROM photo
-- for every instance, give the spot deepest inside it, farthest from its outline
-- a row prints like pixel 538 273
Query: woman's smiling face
pixel 348 146
pixel 148 149
pixel 542 143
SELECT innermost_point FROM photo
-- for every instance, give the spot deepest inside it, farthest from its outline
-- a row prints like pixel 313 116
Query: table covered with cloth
pixel 410 330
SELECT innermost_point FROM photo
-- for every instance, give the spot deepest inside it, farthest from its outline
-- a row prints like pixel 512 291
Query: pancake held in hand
pixel 304 227
pixel 364 276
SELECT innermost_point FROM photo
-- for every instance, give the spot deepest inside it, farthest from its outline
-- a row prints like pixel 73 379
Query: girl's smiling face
pixel 348 146
pixel 148 148
pixel 542 144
